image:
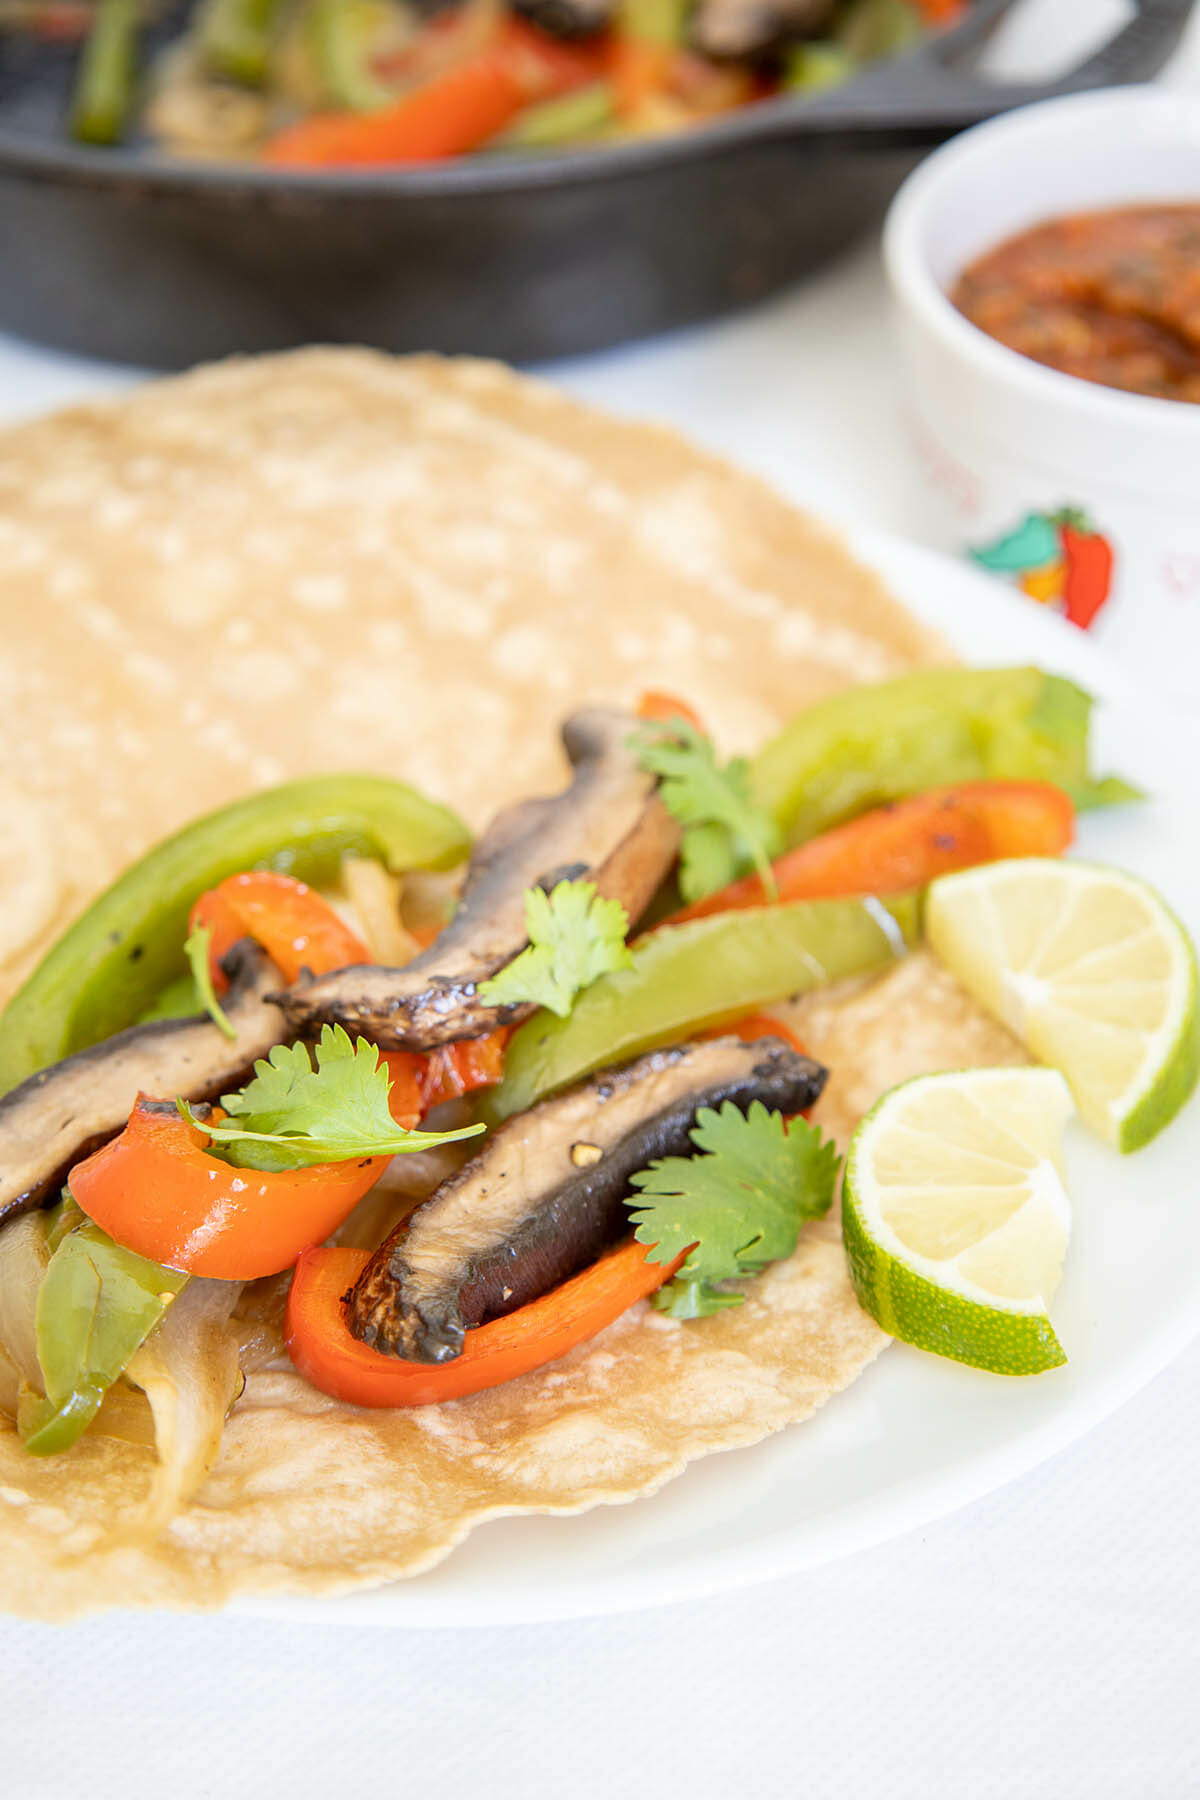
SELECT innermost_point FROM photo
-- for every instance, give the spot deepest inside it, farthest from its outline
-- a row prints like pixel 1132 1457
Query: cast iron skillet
pixel 129 254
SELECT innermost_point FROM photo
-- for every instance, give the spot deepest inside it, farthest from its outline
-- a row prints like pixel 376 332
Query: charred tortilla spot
pixel 608 825
pixel 483 1246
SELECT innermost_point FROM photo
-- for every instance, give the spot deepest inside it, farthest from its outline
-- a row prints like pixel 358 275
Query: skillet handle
pixel 924 96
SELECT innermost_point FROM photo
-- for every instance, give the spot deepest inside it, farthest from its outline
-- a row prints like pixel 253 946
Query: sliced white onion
pixel 23 1258
pixel 188 1370
pixel 374 898
pixel 125 1414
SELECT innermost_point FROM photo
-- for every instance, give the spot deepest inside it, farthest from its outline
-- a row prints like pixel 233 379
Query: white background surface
pixel 1043 1642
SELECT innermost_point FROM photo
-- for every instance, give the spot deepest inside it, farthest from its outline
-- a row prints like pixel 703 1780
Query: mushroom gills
pixel 60 1115
pixel 547 1193
pixel 608 826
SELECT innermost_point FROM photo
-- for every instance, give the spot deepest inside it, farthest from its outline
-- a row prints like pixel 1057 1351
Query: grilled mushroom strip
pixel 608 826
pixel 731 29
pixel 63 1113
pixel 546 1194
pixel 568 18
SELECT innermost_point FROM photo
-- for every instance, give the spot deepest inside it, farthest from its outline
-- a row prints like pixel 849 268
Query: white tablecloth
pixel 1043 1642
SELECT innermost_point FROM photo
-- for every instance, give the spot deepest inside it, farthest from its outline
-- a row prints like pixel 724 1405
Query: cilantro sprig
pixel 196 950
pixel 293 1115
pixel 740 1204
pixel 724 830
pixel 574 938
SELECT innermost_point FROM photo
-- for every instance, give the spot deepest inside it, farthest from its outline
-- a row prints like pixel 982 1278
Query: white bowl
pixel 997 436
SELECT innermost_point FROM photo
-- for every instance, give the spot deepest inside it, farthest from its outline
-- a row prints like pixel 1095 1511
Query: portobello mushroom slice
pixel 608 826
pixel 60 1115
pixel 546 1194
pixel 731 29
pixel 568 18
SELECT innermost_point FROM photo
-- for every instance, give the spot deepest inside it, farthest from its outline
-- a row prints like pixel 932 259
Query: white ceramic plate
pixel 915 1437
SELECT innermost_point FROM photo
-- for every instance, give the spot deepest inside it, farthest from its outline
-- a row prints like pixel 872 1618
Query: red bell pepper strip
pixel 157 1191
pixel 448 114
pixel 423 1080
pixel 322 1347
pixel 759 1025
pixel 406 1095
pixel 456 1069
pixel 940 12
pixel 1089 560
pixel 294 925
pixel 61 21
pixel 907 844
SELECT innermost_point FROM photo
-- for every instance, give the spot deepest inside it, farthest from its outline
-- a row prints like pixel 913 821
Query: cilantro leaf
pixel 196 951
pixel 293 1115
pixel 740 1205
pixel 723 829
pixel 574 938
pixel 708 861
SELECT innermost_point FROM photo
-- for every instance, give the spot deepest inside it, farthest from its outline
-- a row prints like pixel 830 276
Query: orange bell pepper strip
pixel 325 1352
pixel 655 704
pixel 294 925
pixel 639 70
pixel 447 115
pixel 909 843
pixel 157 1191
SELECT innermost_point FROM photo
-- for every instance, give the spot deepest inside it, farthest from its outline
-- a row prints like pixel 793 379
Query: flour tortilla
pixel 333 559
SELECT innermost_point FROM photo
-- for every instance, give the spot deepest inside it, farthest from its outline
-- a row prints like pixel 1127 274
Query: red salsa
pixel 1112 297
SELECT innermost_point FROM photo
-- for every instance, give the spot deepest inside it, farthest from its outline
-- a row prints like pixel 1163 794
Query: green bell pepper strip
pixel 102 100
pixel 707 972
pixel 180 999
pixel 341 33
pixel 870 745
pixel 235 38
pixel 869 30
pixel 564 120
pixel 652 21
pixel 114 961
pixel 812 68
pixel 96 1306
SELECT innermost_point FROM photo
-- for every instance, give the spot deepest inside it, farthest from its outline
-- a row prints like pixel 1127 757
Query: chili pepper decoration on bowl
pixel 1058 559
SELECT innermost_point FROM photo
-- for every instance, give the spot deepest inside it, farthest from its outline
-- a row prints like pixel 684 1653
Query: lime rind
pixel 1175 1083
pixel 933 1307
pixel 908 1306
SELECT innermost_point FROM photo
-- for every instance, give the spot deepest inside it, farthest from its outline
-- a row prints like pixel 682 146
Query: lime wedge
pixel 1090 970
pixel 956 1217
